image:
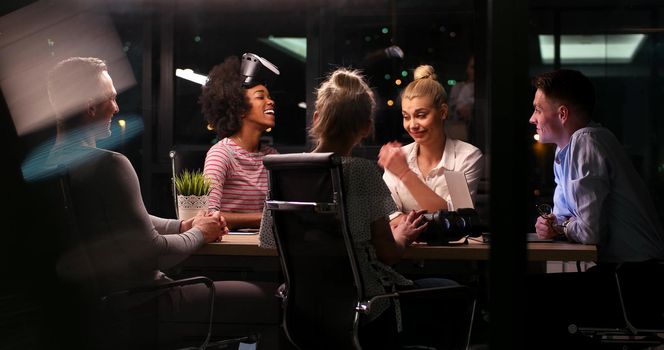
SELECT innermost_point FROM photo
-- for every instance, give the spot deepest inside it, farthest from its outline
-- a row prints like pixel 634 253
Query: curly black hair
pixel 223 99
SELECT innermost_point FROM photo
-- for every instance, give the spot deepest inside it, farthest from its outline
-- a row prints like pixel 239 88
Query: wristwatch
pixel 564 225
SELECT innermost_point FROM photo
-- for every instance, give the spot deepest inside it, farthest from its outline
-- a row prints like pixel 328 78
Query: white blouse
pixel 457 156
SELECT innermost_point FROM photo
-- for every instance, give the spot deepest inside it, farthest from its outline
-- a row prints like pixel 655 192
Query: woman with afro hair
pixel 239 115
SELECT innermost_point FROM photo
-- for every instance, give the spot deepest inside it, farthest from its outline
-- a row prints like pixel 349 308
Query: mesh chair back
pixel 315 249
pixel 73 264
pixel 75 285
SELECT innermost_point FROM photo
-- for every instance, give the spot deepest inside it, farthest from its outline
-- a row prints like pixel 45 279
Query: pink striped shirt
pixel 238 177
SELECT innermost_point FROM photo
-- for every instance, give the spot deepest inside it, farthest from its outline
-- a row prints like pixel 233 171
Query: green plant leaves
pixel 192 183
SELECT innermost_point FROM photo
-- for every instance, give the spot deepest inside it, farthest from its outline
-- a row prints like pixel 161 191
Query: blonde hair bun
pixel 425 71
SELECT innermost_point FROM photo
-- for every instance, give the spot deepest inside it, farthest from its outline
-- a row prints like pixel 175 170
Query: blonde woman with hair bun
pixel 414 172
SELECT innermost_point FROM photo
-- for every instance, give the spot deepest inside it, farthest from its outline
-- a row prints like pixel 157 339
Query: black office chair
pixel 323 295
pixel 640 296
pixel 107 320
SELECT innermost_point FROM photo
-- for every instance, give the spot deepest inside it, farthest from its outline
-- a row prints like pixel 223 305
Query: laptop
pixel 459 191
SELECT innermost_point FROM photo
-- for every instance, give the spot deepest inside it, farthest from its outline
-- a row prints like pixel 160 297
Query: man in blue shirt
pixel 599 197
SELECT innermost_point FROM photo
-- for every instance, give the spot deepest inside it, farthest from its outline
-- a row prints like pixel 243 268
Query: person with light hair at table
pixel 414 173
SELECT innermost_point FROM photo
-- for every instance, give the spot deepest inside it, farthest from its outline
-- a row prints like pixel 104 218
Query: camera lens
pixel 446 226
pixel 461 223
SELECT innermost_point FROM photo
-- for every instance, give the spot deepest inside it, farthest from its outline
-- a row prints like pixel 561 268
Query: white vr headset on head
pixel 256 70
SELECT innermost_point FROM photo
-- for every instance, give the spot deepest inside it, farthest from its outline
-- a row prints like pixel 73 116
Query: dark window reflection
pixel 386 42
pixel 620 49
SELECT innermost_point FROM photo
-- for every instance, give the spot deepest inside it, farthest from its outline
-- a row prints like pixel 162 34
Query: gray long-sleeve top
pixel 123 245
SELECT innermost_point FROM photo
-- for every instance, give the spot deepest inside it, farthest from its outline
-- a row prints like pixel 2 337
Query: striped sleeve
pixel 217 167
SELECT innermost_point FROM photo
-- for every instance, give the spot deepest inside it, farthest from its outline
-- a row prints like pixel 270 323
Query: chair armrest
pixel 151 288
pixel 455 300
pixel 365 306
pixel 438 290
pixel 281 292
pixel 178 283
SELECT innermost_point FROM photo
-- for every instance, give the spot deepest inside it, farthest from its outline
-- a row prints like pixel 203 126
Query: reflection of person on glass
pixel 237 105
pixel 125 245
pixel 414 173
pixel 462 102
pixel 599 197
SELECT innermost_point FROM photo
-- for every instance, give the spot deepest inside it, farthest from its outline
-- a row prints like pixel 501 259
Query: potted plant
pixel 193 190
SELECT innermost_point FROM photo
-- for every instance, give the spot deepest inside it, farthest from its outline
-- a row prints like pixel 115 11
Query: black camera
pixel 450 226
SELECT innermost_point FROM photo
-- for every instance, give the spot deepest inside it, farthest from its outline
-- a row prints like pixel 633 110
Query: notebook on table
pixel 244 231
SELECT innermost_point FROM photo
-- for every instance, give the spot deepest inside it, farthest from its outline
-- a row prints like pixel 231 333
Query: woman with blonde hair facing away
pixel 343 117
pixel 414 173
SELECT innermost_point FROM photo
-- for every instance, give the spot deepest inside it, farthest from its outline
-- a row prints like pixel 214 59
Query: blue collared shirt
pixel 598 188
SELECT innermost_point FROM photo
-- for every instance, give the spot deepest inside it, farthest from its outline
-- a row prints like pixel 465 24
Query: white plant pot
pixel 189 206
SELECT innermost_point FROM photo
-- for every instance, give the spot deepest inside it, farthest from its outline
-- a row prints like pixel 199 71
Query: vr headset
pixel 257 70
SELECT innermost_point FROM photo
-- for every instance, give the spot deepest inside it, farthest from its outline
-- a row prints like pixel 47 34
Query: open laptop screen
pixel 458 188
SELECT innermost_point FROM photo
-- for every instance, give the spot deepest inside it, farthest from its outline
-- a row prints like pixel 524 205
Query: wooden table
pixel 247 245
